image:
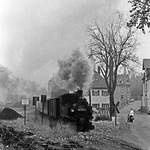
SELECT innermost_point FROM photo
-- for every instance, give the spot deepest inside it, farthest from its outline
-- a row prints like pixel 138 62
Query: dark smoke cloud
pixel 74 72
pixel 36 33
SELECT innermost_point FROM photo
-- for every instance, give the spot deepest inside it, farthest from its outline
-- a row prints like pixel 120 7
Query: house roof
pixel 98 81
pixel 146 63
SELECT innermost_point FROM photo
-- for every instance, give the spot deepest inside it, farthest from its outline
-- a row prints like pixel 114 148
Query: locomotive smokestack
pixel 80 93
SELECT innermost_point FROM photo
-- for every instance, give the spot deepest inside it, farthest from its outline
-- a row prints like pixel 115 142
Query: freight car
pixel 70 107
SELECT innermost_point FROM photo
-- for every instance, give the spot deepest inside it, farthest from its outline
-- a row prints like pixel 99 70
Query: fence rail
pixel 103 114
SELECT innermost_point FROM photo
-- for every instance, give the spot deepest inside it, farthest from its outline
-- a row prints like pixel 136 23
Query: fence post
pixel 24 114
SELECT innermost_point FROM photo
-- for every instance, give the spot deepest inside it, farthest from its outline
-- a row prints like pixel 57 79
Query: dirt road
pixel 140 129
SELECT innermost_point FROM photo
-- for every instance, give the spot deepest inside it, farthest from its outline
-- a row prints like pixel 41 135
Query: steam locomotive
pixel 70 107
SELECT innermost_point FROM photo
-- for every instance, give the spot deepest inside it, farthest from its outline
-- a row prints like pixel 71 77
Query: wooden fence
pixel 103 114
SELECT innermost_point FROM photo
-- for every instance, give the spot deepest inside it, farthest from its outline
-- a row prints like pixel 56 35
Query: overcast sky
pixel 34 34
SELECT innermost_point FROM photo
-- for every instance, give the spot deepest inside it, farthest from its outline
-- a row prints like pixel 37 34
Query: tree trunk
pixel 112 105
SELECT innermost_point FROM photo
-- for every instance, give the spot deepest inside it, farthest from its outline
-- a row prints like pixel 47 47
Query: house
pixel 98 91
pixel 145 103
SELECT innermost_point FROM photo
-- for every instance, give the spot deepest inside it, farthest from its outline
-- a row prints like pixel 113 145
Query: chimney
pixel 79 93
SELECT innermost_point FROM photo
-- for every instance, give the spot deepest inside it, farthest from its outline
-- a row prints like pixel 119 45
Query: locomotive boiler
pixel 71 107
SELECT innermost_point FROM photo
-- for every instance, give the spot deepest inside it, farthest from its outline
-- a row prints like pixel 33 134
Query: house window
pixel 95 92
pixel 105 93
pixel 96 106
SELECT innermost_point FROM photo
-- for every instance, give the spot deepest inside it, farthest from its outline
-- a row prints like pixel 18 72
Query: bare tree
pixel 112 46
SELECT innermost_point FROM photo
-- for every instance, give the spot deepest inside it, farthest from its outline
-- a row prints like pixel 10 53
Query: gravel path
pixel 140 129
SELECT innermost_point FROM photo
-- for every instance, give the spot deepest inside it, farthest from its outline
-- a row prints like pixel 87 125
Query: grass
pixel 56 132
pixel 59 132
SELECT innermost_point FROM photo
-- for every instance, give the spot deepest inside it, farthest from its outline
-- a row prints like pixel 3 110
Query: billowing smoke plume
pixel 74 72
pixel 12 89
pixel 34 32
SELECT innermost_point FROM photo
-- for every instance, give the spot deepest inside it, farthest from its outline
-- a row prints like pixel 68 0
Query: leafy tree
pixel 112 46
pixel 140 14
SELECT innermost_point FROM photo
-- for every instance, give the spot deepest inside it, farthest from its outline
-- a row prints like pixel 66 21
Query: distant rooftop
pixel 146 63
pixel 98 81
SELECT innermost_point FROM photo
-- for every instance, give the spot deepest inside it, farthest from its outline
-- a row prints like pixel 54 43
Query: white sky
pixel 34 34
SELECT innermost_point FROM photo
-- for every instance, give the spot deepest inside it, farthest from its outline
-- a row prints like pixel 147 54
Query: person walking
pixel 131 115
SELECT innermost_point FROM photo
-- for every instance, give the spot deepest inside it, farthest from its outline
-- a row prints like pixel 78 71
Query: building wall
pixel 148 95
pixel 122 94
pixel 100 98
pixel 144 104
pixel 146 92
pixel 122 91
